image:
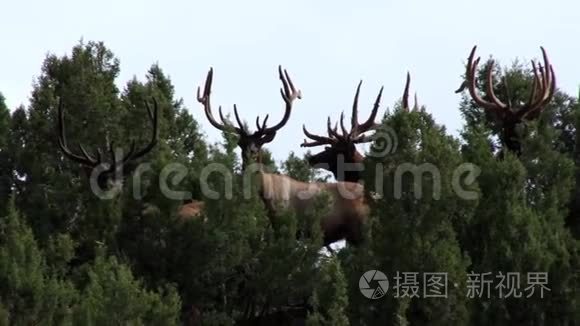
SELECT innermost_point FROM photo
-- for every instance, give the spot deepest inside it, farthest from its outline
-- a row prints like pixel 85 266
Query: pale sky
pixel 327 47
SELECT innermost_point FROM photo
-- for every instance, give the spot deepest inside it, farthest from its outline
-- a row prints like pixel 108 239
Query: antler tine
pixel 289 94
pixel 552 86
pixel 543 89
pixel 225 121
pixel 113 155
pixel 130 154
pixel 468 69
pixel 238 120
pixel 370 123
pixel 263 126
pixel 354 116
pixel 228 124
pixel 99 155
pixel 305 143
pixel 364 139
pixel 342 127
pixel 416 105
pixel 318 140
pixel 87 155
pixel 535 83
pixel 545 73
pixel 468 72
pixel 285 90
pixel 205 101
pixel 62 141
pixel 405 100
pixel 470 82
pixel 550 79
pixel 496 101
pixel 542 77
pixel 154 117
pixel 332 133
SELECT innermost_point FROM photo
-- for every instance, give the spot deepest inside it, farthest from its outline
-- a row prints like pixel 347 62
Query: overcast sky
pixel 327 47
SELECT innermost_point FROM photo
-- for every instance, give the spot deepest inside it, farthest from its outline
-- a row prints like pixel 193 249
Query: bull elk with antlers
pixel 508 114
pixel 116 169
pixel 348 208
pixel 342 151
pixel 341 156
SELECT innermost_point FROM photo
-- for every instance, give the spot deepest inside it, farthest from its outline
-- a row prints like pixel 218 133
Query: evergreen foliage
pixel 458 206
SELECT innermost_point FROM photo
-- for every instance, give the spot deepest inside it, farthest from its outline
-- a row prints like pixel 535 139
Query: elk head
pixel 250 143
pixel 116 168
pixel 509 115
pixel 341 152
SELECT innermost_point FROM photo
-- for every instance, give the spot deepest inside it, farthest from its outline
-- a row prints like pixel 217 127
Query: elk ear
pixel 268 137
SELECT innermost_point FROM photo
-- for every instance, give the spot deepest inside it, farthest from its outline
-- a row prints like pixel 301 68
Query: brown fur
pixel 346 210
pixel 190 210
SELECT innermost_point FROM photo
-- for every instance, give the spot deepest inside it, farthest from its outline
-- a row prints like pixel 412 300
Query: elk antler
pixel 355 135
pixel 544 86
pixel 205 101
pixel 289 94
pixel 405 100
pixel 115 163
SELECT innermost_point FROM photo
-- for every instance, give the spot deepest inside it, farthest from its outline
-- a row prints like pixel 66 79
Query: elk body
pixel 347 207
pixel 346 210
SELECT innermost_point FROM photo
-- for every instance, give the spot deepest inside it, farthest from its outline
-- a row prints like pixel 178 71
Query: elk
pixel 116 169
pixel 341 151
pixel 347 210
pixel 508 114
